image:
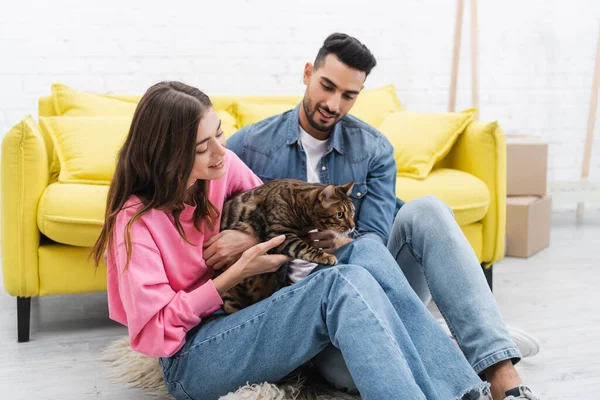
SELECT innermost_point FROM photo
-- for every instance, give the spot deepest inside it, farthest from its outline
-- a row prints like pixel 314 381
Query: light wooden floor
pixel 553 295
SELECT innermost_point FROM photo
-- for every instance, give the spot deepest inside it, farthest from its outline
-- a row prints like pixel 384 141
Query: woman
pixel 172 177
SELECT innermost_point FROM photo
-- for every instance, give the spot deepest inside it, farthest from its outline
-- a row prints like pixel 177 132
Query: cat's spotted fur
pixel 291 207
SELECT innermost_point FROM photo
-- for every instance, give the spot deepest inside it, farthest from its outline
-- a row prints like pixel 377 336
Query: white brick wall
pixel 536 56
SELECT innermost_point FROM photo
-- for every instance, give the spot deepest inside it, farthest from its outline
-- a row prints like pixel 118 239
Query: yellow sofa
pixel 49 223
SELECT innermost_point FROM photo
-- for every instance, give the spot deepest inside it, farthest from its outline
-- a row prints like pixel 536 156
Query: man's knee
pixel 426 208
pixel 356 273
pixel 366 244
pixel 363 251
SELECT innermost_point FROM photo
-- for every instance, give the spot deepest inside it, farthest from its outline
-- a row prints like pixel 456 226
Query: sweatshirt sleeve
pixel 240 178
pixel 159 317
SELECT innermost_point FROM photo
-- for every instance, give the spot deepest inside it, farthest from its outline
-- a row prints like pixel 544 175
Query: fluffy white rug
pixel 136 370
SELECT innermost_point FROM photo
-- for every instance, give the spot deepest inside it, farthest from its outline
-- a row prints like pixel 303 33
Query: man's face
pixel 331 91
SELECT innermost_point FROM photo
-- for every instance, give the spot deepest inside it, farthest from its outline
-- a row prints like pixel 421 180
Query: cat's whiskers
pixel 346 233
pixel 358 234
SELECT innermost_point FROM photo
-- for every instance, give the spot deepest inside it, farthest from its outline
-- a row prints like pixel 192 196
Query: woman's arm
pixel 228 279
pixel 158 317
pixel 225 248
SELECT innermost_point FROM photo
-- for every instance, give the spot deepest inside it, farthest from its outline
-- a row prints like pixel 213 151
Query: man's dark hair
pixel 348 50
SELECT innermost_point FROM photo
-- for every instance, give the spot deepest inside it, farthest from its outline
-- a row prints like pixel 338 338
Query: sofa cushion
pixel 422 139
pixel 86 147
pixel 467 195
pixel 71 102
pixel 246 113
pixel 374 105
pixel 225 101
pixel 72 214
pixel 74 103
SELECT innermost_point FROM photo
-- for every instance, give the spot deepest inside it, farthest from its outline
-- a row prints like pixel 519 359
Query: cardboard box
pixel 527 165
pixel 528 221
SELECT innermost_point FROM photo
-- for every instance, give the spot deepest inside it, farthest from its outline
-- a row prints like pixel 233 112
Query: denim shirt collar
pixel 336 139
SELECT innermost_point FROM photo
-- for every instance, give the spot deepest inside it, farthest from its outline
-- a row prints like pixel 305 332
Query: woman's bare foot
pixel 502 377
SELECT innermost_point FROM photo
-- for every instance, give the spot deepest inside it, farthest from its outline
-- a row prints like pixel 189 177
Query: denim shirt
pixel 356 152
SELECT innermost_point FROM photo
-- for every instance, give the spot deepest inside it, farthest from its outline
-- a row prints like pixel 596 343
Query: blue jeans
pixel 439 262
pixel 391 344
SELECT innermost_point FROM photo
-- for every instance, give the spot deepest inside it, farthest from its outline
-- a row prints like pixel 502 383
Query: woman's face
pixel 209 163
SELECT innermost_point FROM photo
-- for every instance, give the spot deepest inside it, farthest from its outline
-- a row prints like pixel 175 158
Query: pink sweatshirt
pixel 167 288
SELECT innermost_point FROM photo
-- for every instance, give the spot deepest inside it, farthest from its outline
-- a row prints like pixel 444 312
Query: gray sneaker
pixel 527 344
pixel 521 392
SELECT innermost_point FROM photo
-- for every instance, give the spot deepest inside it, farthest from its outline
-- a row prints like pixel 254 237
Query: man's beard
pixel 310 112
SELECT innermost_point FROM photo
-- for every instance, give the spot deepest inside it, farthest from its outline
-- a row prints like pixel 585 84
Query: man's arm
pixel 378 206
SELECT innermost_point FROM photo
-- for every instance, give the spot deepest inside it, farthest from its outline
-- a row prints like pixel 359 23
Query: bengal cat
pixel 291 207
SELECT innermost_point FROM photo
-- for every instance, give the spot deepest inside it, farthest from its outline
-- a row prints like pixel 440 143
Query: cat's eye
pixel 340 215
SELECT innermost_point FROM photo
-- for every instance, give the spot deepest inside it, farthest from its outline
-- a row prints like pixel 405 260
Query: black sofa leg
pixel 23 318
pixel 489 275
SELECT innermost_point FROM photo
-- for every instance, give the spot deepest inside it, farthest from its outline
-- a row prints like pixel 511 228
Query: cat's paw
pixel 230 307
pixel 328 259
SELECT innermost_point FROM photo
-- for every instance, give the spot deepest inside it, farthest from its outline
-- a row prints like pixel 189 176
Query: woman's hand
pixel 255 261
pixel 226 247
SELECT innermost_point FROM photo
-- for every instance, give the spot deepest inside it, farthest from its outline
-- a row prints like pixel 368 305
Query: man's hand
pixel 329 241
pixel 226 247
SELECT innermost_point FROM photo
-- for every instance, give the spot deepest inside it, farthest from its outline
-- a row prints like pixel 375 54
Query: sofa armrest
pixel 481 151
pixel 24 177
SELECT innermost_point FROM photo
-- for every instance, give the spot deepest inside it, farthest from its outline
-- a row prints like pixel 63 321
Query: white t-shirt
pixel 314 149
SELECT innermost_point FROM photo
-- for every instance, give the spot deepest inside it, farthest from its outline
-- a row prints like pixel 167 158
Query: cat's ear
pixel 327 195
pixel 347 188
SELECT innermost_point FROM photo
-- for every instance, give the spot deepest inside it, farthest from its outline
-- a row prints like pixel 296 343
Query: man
pixel 318 142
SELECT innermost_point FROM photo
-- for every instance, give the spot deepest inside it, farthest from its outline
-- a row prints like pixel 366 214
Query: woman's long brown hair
pixel 156 161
